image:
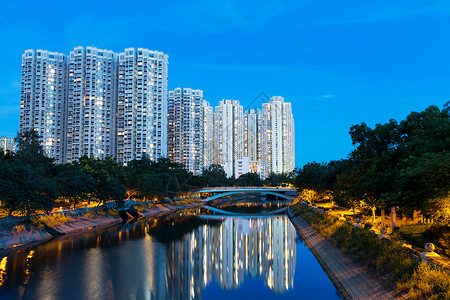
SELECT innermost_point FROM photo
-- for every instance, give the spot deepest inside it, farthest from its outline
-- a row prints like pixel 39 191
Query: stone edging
pixel 351 279
pixel 334 280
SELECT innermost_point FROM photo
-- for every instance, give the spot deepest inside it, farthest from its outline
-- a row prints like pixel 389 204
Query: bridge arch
pixel 230 213
pixel 247 192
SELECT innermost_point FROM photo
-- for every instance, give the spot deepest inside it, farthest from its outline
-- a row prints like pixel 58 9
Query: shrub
pixel 419 280
pixel 420 234
pixel 50 220
pixel 427 282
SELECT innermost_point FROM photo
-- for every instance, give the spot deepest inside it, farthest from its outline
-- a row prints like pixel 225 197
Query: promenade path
pixel 352 280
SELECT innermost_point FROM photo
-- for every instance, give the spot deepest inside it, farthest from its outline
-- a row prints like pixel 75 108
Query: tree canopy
pixel 404 164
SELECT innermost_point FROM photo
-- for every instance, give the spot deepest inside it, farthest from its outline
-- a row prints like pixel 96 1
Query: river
pixel 196 255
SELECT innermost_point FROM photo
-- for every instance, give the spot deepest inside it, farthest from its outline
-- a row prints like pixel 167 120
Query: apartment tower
pixel 91 109
pixel 278 136
pixel 228 134
pixel 252 130
pixel 208 135
pixel 142 104
pixel 43 99
pixel 7 144
pixel 185 128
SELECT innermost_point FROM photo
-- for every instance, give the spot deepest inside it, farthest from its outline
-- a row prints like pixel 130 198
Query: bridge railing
pixel 248 187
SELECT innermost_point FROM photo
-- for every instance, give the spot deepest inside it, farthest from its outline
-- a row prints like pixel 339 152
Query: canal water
pixel 192 255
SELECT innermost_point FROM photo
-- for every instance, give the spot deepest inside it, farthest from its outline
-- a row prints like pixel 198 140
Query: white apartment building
pixel 185 128
pixel 208 135
pixel 7 144
pixel 241 167
pixel 289 138
pixel 43 99
pixel 278 136
pixel 91 103
pixel 228 134
pixel 252 130
pixel 245 165
pixel 142 104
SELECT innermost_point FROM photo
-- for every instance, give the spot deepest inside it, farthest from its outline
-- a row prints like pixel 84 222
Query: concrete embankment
pixel 25 234
pixel 21 235
pixel 352 280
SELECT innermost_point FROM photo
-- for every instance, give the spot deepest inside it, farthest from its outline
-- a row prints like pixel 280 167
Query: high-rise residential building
pixel 91 103
pixel 252 130
pixel 7 144
pixel 142 104
pixel 185 128
pixel 289 138
pixel 228 134
pixel 43 99
pixel 208 135
pixel 278 136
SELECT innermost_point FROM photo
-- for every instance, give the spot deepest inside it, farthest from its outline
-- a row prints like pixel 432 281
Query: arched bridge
pixel 230 213
pixel 219 192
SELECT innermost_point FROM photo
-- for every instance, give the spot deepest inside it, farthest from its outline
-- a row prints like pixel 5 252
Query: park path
pixel 352 280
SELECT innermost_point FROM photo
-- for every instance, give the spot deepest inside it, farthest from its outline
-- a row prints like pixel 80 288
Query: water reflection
pixel 237 248
pixel 165 258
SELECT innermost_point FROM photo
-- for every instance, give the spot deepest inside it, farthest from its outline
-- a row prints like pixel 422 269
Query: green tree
pixel 24 189
pixel 108 176
pixel 214 176
pixel 249 179
pixel 74 184
pixel 149 186
pixel 283 179
pixel 422 180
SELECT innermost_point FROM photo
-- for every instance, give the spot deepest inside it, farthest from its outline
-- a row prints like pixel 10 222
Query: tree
pixel 283 179
pixel 149 186
pixel 26 179
pixel 108 176
pixel 170 186
pixel 422 180
pixel 74 184
pixel 249 179
pixel 215 175
pixel 24 190
pixel 31 152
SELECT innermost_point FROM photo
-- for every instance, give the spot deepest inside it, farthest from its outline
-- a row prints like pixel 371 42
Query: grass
pixel 58 219
pixel 420 281
pixel 50 220
pixel 427 282
pixel 108 212
pixel 420 234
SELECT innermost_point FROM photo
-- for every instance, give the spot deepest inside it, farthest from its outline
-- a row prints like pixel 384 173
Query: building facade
pixel 142 104
pixel 228 134
pixel 7 144
pixel 98 103
pixel 208 135
pixel 43 99
pixel 185 128
pixel 278 136
pixel 252 139
pixel 91 109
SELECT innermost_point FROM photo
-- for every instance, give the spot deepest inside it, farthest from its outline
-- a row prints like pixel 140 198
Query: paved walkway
pixel 352 280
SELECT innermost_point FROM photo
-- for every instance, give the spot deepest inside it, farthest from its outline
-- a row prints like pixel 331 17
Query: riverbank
pixel 399 265
pixel 352 280
pixel 39 230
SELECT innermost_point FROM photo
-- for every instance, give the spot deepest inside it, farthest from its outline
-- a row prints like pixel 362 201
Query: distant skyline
pixel 339 62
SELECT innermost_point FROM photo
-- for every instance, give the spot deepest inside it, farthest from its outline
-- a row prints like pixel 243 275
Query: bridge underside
pixel 229 213
pixel 248 192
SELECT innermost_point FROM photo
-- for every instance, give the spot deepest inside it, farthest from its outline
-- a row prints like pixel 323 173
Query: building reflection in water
pixel 237 248
pixel 155 259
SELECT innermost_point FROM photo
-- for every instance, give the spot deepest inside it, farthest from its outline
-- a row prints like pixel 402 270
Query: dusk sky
pixel 339 62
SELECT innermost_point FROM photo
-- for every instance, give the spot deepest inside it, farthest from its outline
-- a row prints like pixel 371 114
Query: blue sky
pixel 338 62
